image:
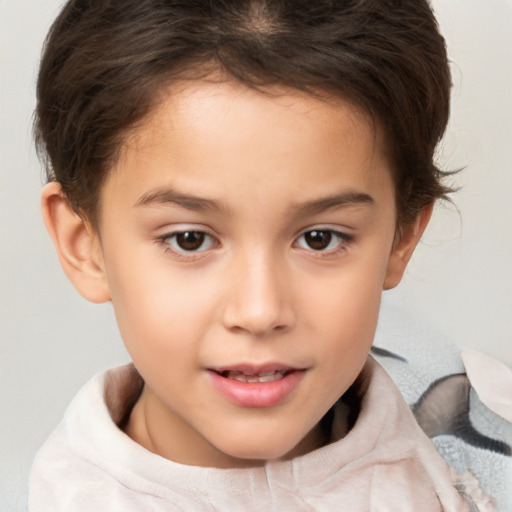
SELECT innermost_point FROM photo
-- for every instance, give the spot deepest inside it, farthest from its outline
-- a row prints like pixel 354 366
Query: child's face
pixel 246 234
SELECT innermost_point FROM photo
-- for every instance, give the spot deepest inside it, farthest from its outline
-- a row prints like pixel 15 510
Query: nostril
pixel 258 330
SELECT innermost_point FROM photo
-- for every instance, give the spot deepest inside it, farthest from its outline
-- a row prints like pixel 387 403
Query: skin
pixel 256 173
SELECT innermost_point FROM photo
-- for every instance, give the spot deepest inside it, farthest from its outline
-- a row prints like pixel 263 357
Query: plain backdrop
pixel 459 283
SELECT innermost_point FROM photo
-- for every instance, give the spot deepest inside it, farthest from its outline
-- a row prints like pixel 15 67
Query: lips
pixel 257 377
pixel 256 386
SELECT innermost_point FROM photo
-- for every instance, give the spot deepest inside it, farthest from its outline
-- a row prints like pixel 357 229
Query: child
pixel 241 180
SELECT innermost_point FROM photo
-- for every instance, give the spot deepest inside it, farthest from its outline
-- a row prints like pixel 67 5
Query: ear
pixel 404 246
pixel 77 244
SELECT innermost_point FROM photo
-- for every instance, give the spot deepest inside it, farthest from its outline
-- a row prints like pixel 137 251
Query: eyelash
pixel 192 254
pixel 340 239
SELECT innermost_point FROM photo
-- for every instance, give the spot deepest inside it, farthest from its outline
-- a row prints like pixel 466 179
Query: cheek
pixel 345 308
pixel 158 311
pixel 343 331
pixel 350 328
pixel 350 297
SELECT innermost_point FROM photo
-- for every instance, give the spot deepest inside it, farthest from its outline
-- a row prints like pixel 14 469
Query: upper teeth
pixel 257 377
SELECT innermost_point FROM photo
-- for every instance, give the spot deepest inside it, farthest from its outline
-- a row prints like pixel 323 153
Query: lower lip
pixel 257 394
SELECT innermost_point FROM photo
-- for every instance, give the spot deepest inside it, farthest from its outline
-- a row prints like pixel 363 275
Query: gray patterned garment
pixel 473 440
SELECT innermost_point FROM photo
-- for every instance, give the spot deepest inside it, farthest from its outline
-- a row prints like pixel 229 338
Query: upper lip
pixel 254 369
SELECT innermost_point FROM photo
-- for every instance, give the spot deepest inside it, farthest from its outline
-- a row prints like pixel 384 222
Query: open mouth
pixel 240 376
pixel 256 386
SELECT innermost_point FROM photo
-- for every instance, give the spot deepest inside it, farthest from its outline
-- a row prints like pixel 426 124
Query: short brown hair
pixel 105 61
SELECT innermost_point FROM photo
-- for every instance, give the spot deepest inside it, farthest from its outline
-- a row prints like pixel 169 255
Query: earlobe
pixel 404 247
pixel 77 245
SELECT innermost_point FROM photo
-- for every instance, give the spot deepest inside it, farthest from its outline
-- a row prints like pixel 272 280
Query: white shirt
pixel 384 464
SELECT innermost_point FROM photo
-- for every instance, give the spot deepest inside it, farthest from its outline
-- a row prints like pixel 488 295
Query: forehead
pixel 203 105
pixel 217 136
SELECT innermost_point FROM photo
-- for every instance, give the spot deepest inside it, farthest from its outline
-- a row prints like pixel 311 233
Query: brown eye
pixel 322 240
pixel 190 241
pixel 318 240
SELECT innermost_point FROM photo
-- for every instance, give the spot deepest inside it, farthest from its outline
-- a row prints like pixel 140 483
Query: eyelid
pixel 344 238
pixel 183 253
pixel 207 240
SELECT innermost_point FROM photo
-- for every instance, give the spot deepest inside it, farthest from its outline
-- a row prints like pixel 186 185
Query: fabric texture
pixel 440 385
pixel 491 380
pixel 384 464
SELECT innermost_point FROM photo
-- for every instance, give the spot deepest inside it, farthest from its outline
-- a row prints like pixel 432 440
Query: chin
pixel 257 451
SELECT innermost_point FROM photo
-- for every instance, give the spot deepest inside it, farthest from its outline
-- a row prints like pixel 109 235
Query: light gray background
pixel 459 283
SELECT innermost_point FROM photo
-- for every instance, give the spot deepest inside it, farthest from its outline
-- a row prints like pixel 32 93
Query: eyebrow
pixel 340 200
pixel 170 196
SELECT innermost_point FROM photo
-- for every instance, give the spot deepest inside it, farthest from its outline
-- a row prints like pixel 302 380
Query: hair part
pixel 106 62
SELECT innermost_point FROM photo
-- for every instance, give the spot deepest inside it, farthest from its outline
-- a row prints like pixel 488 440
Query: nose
pixel 259 297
